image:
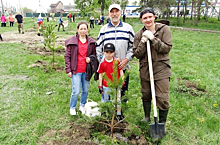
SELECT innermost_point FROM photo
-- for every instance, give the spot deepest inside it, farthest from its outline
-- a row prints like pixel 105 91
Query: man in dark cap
pixel 160 39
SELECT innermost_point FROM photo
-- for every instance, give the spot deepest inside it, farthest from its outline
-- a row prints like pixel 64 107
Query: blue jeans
pixel 105 95
pixel 106 98
pixel 78 82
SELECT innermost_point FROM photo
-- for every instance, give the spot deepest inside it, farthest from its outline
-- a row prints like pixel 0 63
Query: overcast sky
pixel 34 4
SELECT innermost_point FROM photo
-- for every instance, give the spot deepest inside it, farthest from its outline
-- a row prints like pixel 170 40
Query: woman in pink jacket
pixel 11 20
pixel 3 20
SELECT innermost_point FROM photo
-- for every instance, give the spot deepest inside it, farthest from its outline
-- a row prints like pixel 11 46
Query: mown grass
pixel 27 112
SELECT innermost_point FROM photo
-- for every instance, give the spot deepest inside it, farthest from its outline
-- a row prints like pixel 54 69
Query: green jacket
pixel 160 48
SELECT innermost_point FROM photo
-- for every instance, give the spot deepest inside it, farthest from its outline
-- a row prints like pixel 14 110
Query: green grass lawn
pixel 34 101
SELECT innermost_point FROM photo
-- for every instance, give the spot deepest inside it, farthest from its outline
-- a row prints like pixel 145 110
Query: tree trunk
pixel 218 14
pixel 199 9
pixel 185 9
pixel 3 11
pixel 206 12
pixel 192 9
pixel 178 9
pixel 102 6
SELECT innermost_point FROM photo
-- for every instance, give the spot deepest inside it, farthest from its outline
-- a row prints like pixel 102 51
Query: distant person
pixel 73 17
pixel 48 19
pixel 124 18
pixel 3 20
pixel 102 18
pixel 11 20
pixel 60 21
pixel 70 17
pixel 80 53
pixel 159 36
pixel 20 21
pixel 40 21
pixel 91 20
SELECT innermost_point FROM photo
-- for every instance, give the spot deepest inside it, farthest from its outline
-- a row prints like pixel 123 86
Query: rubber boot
pixel 147 109
pixel 163 116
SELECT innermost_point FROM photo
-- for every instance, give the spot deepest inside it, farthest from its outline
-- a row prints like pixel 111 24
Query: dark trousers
pixel 60 25
pixel 11 24
pixel 3 24
pixel 126 86
pixel 92 25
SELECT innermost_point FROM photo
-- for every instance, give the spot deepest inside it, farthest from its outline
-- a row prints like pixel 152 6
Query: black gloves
pixel 100 89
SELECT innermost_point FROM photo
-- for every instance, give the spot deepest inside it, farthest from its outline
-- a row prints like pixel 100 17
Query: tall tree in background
pixel 3 11
pixel 178 9
pixel 206 10
pixel 185 10
pixel 192 9
pixel 124 3
pixel 83 6
pixel 27 10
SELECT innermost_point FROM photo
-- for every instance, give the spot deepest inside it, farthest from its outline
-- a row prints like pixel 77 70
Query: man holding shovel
pixel 159 36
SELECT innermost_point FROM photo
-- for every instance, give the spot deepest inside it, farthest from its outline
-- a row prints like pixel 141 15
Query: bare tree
pixel 185 11
pixel 178 9
pixel 192 9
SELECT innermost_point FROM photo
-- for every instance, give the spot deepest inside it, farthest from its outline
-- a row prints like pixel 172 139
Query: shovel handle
pixel 151 78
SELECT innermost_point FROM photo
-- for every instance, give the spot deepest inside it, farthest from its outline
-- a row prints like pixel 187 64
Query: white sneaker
pixel 72 111
pixel 82 109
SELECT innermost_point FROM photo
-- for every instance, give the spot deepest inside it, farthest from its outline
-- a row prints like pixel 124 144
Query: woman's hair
pixel 81 24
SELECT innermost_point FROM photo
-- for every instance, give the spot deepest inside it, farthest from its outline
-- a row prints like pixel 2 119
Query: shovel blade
pixel 157 130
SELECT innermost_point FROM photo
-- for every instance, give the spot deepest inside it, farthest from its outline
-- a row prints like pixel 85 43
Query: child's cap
pixel 109 47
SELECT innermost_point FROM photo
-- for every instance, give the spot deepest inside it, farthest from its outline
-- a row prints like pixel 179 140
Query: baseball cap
pixel 109 47
pixel 147 10
pixel 117 6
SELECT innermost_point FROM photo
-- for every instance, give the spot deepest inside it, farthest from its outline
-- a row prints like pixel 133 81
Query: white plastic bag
pixel 91 109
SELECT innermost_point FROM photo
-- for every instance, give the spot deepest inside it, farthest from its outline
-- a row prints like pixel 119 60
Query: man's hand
pixel 100 89
pixel 69 74
pixel 87 59
pixel 123 63
pixel 147 35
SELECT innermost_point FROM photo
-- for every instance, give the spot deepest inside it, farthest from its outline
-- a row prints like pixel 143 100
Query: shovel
pixel 157 130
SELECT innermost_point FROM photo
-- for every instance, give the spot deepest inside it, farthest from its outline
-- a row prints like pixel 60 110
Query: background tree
pixel 206 10
pixel 178 9
pixel 124 3
pixel 27 10
pixel 197 11
pixel 83 6
pixel 185 10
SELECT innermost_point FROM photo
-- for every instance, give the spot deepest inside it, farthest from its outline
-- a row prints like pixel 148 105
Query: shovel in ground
pixel 157 130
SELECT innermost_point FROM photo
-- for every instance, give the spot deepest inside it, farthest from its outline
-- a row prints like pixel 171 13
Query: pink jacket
pixel 3 19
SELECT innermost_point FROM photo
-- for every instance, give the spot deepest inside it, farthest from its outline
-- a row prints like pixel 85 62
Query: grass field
pixel 34 101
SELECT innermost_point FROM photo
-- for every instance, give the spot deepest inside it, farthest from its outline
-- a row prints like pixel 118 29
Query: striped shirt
pixel 121 35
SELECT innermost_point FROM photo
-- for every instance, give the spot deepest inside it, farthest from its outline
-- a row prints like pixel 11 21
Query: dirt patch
pixel 75 134
pixel 71 134
pixel 29 38
pixel 187 86
pixel 44 65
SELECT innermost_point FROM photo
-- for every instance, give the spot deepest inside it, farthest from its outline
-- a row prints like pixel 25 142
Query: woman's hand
pixel 69 74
